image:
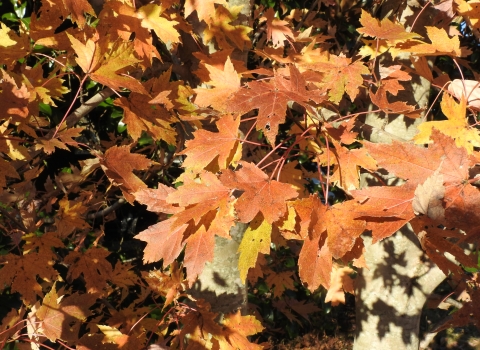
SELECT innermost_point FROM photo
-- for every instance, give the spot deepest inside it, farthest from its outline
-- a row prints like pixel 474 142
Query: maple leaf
pixel 260 193
pixel 150 16
pixel 225 82
pixel 208 202
pixel 384 29
pixel 277 30
pixel 21 273
pixel 15 97
pixel 456 126
pixel 118 164
pixel 103 64
pixel 309 210
pixel 255 240
pixel 92 265
pixel 379 98
pixel 155 199
pixel 7 170
pixel 281 280
pixel 470 88
pixel 237 329
pixel 199 251
pixel 163 242
pixel 340 75
pixel 205 11
pixel 141 116
pixel 43 89
pixel 170 285
pixel 12 46
pixel 75 10
pixel 271 99
pixel 415 164
pixel 343 227
pixel 224 33
pixel 441 44
pixel 315 262
pixel 207 146
pixel 347 173
pixel 302 307
pixel 62 316
pixel 429 196
pixel 59 140
pixel 340 284
pixel 70 217
pixel 394 208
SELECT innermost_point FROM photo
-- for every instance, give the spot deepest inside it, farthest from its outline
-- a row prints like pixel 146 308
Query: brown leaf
pixel 118 164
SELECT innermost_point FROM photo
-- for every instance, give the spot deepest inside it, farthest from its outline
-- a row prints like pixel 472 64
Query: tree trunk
pixel 390 295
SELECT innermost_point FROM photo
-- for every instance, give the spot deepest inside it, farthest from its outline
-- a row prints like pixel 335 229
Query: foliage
pixel 207 141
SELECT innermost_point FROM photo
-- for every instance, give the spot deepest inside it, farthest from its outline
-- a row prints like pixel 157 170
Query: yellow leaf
pixel 256 240
pixel 456 126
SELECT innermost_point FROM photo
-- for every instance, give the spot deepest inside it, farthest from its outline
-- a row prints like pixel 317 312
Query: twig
pixel 88 106
pixel 107 210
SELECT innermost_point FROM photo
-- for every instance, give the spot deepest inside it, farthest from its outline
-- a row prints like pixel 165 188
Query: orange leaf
pixel 271 99
pixel 260 193
pixel 224 146
pixel 163 242
pixel 277 30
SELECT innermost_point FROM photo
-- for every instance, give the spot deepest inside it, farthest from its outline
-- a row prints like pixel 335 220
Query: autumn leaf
pixel 415 164
pixel 255 240
pixel 118 164
pixel 315 261
pixel 199 251
pixel 163 242
pixel 224 146
pixel 341 75
pixel 155 199
pixel 456 126
pixel 22 274
pixel 141 116
pixel 76 9
pixel 384 29
pixel 260 193
pixel 340 283
pixel 271 99
pixel 237 330
pixel 277 29
pixel 92 265
pixel 205 11
pixel 470 88
pixel 62 316
pixel 441 44
pixel 282 281
pixel 347 173
pixel 343 227
pixel 223 32
pixel 170 285
pixel 224 82
pixel 105 65
pixel 206 200
pixel 394 208
pixel 70 217
pixel 429 196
